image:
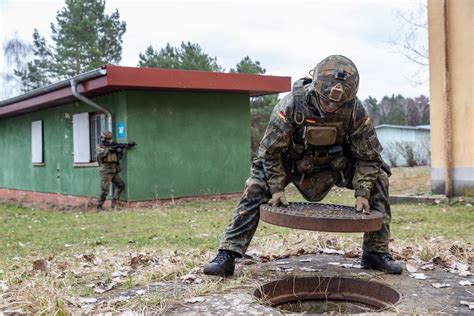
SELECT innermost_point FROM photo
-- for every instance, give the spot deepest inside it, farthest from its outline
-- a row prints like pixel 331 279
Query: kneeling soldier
pixel 317 137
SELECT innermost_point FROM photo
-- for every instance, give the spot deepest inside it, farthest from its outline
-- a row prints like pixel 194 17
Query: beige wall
pixel 460 41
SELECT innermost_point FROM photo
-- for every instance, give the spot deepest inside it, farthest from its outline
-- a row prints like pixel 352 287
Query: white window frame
pixel 37 157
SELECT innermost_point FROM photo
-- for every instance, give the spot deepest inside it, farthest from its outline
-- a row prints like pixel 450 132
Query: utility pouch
pixel 320 135
pixel 111 157
pixel 296 151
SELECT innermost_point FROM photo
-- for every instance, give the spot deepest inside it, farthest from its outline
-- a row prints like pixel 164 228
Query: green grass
pixel 413 221
pixel 26 231
pixel 192 225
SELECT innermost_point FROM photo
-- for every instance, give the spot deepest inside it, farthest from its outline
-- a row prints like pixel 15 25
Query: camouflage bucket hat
pixel 336 81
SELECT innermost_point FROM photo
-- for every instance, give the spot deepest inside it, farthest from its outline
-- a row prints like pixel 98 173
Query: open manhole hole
pixel 327 294
pixel 321 217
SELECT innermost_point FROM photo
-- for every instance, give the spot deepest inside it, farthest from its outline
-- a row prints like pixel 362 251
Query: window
pixel 37 142
pixel 87 128
pixel 97 127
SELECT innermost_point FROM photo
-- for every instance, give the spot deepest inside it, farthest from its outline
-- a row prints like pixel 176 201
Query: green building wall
pixel 58 174
pixel 189 144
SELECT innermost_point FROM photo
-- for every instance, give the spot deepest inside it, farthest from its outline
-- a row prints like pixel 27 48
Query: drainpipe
pixel 96 106
pixel 448 172
pixel 91 103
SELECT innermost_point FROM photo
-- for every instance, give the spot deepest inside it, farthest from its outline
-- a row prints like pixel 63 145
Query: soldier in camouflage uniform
pixel 317 137
pixel 108 158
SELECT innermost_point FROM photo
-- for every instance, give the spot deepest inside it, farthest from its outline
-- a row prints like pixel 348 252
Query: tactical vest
pixel 317 157
pixel 111 158
pixel 110 164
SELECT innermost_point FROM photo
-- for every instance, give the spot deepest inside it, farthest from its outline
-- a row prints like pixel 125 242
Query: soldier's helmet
pixel 335 81
pixel 106 136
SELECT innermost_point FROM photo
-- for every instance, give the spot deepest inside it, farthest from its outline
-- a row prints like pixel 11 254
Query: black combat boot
pixel 114 204
pixel 222 265
pixel 100 208
pixel 380 261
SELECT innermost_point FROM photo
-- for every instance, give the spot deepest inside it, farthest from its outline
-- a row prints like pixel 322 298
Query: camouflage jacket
pixel 356 140
pixel 108 159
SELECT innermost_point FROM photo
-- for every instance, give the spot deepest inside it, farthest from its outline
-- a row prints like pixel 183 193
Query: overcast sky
pixel 288 38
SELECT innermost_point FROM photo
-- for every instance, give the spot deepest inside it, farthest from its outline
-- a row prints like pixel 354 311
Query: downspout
pixel 448 172
pixel 107 113
pixel 98 107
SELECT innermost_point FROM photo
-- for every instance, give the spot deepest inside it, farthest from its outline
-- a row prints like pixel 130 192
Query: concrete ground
pixel 417 296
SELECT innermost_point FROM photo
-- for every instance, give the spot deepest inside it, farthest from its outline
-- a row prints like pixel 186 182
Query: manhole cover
pixel 326 294
pixel 321 217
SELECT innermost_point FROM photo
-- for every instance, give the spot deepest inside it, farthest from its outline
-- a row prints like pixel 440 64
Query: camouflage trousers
pixel 105 180
pixel 240 231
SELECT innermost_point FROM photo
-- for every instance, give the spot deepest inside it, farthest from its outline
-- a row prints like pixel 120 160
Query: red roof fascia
pixel 119 78
pixel 156 78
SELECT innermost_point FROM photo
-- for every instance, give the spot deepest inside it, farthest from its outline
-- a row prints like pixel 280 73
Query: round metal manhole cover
pixel 321 217
pixel 327 294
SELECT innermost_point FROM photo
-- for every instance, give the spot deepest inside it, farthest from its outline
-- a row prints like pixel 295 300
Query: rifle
pixel 119 147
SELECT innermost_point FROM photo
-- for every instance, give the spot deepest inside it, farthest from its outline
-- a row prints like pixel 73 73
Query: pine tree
pixel 248 66
pixel 84 38
pixel 188 56
pixel 260 107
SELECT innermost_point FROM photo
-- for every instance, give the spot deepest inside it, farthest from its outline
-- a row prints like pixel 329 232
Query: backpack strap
pixel 299 108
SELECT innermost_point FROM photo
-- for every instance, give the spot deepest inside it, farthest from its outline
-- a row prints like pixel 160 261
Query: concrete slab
pixel 418 296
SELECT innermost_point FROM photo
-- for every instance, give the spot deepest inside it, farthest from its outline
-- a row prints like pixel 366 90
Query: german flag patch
pixel 311 120
pixel 282 115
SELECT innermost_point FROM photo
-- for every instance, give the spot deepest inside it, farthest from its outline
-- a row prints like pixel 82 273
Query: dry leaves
pixel 102 287
pixel 310 269
pixel 330 251
pixel 418 276
pixel 468 304
pixel 282 269
pixel 351 265
pixel 352 254
pixel 440 285
pixel 193 300
pixel 3 286
pixel 40 265
pixel 282 262
pixel 191 278
pixel 411 266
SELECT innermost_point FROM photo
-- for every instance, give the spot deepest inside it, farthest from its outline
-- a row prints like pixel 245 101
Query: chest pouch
pixel 320 135
pixel 111 157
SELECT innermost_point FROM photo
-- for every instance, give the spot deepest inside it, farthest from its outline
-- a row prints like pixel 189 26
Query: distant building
pixel 192 129
pixel 404 143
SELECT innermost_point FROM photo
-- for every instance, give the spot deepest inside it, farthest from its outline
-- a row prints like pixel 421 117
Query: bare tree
pixel 413 42
pixel 406 107
pixel 422 104
pixel 17 55
pixel 385 108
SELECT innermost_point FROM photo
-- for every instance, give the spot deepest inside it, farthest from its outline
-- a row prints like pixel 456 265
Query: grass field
pixel 81 253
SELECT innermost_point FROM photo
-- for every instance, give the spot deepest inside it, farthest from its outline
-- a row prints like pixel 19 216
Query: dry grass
pixel 414 180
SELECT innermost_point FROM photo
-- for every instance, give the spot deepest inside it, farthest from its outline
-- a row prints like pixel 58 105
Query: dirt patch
pixel 414 180
pixel 60 202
